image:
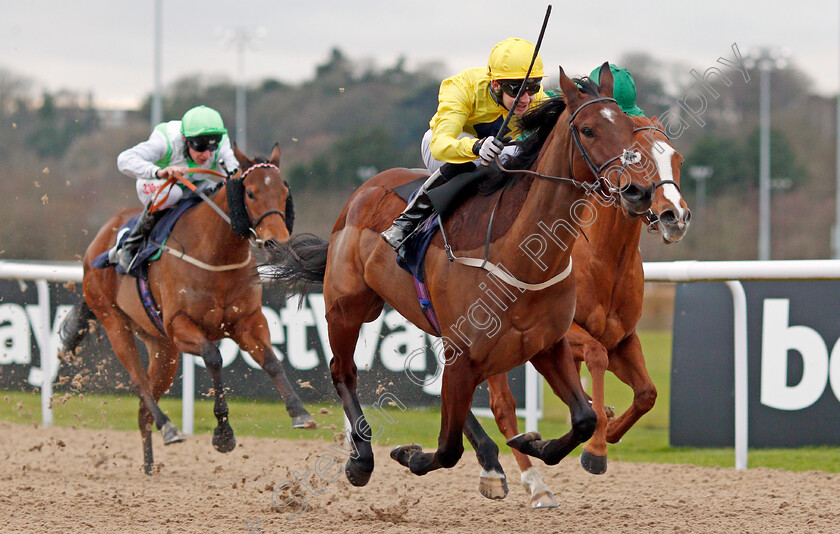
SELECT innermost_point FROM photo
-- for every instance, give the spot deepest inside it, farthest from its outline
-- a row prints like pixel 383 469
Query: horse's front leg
pixel 492 481
pixel 503 405
pixel 628 363
pixel 593 458
pixel 459 383
pixel 187 337
pixel 252 335
pixel 558 367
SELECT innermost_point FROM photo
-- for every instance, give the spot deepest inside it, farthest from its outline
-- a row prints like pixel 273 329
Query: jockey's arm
pixel 139 160
pixel 454 107
pixel 226 156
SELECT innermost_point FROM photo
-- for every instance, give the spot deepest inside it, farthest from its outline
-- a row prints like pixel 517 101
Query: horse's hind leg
pixel 344 318
pixel 492 481
pixel 628 363
pixel 163 364
pixel 503 405
pixel 558 367
pixel 252 335
pixel 122 340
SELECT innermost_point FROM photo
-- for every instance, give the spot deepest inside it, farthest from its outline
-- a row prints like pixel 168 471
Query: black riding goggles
pixel 511 87
pixel 204 143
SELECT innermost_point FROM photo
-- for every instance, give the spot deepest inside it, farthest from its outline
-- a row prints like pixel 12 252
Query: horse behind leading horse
pixel 576 142
pixel 200 303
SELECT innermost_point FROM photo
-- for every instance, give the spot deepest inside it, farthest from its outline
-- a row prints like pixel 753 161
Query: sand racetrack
pixel 79 480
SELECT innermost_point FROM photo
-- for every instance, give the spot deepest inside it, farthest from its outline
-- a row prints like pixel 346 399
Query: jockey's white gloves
pixel 170 171
pixel 487 149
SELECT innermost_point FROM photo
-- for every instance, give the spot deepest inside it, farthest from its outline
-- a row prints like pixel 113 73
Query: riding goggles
pixel 511 87
pixel 204 142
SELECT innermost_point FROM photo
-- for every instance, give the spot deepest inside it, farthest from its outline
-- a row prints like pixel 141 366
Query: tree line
pixel 352 120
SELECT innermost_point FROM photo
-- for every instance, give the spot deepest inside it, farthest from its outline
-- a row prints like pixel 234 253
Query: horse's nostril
pixel 668 217
pixel 687 217
pixel 633 192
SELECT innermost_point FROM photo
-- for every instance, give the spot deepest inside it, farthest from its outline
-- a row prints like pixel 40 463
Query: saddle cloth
pixel 149 250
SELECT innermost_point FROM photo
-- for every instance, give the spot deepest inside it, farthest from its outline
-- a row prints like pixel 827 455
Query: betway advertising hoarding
pixel 794 364
pixel 391 353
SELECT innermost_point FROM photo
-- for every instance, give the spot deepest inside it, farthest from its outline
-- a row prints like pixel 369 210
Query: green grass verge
pixel 647 441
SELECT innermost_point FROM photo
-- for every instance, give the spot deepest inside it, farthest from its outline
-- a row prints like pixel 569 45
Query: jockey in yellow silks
pixel 472 106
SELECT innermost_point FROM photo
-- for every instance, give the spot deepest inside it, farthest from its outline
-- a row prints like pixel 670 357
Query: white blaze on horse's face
pixel 267 179
pixel 609 115
pixel 662 155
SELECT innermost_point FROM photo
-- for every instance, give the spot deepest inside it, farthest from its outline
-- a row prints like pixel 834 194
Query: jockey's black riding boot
pixel 127 251
pixel 417 210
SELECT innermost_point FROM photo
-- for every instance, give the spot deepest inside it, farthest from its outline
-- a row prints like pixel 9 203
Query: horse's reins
pixel 627 157
pixel 255 239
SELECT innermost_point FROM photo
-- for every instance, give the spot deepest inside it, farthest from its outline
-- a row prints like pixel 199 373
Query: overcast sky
pixel 106 46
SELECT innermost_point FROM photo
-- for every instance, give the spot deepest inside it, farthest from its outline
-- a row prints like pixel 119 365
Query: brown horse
pixel 488 327
pixel 201 302
pixel 610 289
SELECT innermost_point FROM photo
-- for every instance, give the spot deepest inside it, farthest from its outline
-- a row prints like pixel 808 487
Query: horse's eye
pixel 587 132
pixel 250 194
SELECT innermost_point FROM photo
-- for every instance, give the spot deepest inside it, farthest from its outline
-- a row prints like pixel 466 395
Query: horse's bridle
pixel 601 184
pixel 258 220
pixel 651 217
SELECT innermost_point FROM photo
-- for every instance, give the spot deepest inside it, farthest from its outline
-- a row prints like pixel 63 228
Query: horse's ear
pixel 605 80
pixel 274 158
pixel 571 92
pixel 243 160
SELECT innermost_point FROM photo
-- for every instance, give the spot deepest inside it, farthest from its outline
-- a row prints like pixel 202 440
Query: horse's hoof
pixel 304 421
pixel 171 434
pixel 544 499
pixel 355 474
pixel 610 412
pixel 597 465
pixel 493 485
pixel 403 453
pixel 520 441
pixel 223 438
pixel 148 469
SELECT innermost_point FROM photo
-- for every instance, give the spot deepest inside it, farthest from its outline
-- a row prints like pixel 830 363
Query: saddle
pixel 150 248
pixel 444 198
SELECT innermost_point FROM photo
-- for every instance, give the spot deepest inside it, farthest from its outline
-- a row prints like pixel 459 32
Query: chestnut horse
pixel 201 302
pixel 575 141
pixel 610 289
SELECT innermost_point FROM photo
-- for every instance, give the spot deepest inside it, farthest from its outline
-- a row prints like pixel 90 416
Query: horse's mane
pixel 536 124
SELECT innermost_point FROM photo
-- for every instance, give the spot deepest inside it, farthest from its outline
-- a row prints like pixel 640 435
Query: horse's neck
pixel 613 237
pixel 206 227
pixel 547 207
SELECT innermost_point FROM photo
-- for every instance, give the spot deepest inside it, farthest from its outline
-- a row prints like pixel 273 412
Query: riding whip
pixel 522 86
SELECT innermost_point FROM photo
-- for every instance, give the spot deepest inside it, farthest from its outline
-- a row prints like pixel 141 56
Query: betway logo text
pixel 819 368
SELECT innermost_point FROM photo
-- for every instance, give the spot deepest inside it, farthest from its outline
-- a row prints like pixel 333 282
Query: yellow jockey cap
pixel 510 59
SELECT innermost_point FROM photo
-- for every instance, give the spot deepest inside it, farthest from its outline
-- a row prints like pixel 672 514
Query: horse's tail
pixel 75 327
pixel 298 265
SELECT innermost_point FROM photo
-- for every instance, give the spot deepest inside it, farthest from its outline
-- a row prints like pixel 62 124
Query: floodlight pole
pixel 157 105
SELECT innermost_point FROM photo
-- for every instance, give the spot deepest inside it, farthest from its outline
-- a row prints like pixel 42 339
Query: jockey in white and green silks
pixel 198 140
